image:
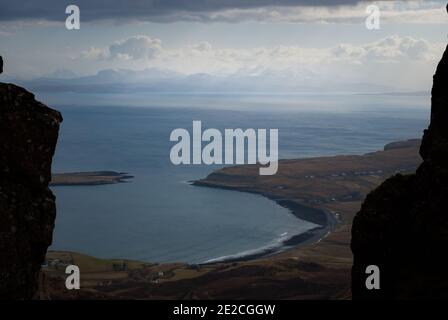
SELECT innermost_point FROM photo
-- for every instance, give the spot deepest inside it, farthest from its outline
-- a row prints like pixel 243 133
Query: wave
pixel 283 243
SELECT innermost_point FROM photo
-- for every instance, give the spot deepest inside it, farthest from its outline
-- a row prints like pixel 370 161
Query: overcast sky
pixel 297 38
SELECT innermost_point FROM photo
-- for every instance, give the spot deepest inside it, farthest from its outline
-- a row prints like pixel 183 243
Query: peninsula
pixel 88 178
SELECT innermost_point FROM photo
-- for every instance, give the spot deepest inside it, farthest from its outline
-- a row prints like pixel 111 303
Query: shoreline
pixel 89 178
pixel 325 221
pixel 314 207
pixel 326 190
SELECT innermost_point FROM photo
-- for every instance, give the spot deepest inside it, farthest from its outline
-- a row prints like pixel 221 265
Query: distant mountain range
pixel 165 80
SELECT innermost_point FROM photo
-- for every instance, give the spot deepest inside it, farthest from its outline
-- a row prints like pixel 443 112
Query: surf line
pixel 189 149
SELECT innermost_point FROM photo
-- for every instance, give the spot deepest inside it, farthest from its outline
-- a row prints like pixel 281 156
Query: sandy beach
pixel 324 220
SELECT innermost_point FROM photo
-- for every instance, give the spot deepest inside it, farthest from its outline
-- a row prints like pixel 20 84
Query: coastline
pixel 326 190
pixel 325 221
pixel 351 178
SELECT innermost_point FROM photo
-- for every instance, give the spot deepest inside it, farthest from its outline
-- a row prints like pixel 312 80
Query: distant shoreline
pixel 325 220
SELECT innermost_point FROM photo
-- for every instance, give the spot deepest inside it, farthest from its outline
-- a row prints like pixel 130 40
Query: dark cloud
pixel 150 10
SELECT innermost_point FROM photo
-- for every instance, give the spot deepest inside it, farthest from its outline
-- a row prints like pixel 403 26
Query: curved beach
pixel 316 190
pixel 330 189
pixel 324 220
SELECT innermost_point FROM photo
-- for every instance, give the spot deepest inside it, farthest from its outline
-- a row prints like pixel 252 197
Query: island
pixel 93 178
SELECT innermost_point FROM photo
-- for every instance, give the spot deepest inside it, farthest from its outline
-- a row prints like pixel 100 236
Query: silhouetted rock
pixel 403 224
pixel 1 65
pixel 28 136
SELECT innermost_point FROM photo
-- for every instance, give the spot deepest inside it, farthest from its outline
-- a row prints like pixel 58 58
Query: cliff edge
pixel 28 136
pixel 403 225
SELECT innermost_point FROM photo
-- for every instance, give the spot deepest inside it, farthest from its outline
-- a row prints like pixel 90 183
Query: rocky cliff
pixel 403 225
pixel 28 136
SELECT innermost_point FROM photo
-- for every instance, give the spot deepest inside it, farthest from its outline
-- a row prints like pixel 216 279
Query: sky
pixel 259 44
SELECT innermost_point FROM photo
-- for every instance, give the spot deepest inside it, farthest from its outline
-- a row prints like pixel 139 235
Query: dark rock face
pixel 1 65
pixel 28 136
pixel 403 225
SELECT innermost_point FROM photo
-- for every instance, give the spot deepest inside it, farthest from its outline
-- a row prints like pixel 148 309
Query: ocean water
pixel 158 216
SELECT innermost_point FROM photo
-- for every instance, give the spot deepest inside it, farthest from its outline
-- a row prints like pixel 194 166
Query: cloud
pixel 137 47
pixel 295 11
pixel 144 10
pixel 141 51
pixel 389 49
pixel 417 12
pixel 143 62
pixel 5 33
pixel 94 53
pixel 203 46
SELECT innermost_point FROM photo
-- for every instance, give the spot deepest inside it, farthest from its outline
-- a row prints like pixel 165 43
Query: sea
pixel 158 216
